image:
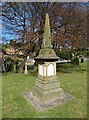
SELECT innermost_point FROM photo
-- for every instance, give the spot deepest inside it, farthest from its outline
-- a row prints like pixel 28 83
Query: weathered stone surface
pixel 47 34
pixel 44 78
pixel 48 84
pixel 47 87
pixel 47 92
pixel 47 95
pixel 46 51
pixel 43 106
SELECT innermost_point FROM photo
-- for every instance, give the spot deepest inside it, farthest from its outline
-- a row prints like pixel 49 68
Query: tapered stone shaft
pixel 47 34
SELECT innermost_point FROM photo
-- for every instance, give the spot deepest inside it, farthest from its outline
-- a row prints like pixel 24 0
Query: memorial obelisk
pixel 47 87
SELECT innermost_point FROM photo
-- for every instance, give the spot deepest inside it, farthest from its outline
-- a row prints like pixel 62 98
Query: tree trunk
pixel 22 66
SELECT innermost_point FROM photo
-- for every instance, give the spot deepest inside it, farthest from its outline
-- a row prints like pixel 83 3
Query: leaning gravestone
pixel 47 92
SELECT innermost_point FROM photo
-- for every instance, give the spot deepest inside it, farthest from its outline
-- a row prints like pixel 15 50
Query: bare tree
pixel 26 20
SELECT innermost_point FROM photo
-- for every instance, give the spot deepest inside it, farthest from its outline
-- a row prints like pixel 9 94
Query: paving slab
pixel 43 106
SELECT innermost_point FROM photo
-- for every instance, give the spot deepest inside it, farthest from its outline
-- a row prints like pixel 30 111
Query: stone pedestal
pixel 47 87
pixel 47 91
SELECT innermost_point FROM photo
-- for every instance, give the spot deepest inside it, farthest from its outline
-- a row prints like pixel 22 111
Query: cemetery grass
pixel 14 105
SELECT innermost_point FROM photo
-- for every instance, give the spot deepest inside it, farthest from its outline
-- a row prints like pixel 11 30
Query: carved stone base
pixel 47 90
pixel 43 106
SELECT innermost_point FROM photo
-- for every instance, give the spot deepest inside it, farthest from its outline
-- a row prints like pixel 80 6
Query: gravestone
pixel 26 70
pixel 29 62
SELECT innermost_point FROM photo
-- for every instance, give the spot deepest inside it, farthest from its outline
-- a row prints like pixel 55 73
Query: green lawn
pixel 14 105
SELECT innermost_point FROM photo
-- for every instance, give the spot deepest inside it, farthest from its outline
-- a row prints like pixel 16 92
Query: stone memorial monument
pixel 47 87
pixel 47 92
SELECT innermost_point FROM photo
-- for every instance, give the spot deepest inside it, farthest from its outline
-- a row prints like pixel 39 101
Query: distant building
pixel 11 51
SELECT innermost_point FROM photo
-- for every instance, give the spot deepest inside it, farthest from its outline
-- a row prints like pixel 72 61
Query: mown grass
pixel 68 67
pixel 14 105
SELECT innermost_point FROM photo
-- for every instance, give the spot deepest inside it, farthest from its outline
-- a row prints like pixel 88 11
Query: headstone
pixel 27 57
pixel 25 71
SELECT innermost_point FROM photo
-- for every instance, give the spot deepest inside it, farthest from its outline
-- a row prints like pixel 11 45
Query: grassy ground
pixel 16 106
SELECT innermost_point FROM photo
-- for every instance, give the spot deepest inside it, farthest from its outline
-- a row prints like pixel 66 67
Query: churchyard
pixel 16 106
pixel 44 71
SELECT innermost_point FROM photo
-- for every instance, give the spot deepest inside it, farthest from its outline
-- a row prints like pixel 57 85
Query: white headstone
pixel 26 71
pixel 28 57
